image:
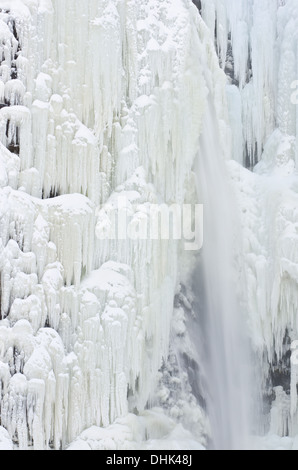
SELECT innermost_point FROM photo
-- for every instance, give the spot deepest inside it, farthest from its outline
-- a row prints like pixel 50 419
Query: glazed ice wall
pixel 257 46
pixel 101 101
pixel 245 33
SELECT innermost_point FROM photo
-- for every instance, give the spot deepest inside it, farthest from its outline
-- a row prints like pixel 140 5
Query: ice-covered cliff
pixel 136 343
pixel 101 101
pixel 257 47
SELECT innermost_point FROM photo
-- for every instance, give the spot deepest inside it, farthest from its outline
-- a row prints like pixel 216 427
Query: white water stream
pixel 225 355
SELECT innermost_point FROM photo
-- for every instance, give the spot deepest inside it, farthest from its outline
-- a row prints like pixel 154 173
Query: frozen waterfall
pixel 261 91
pixel 112 107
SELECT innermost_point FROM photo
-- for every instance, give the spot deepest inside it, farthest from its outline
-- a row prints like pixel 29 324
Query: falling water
pixel 224 352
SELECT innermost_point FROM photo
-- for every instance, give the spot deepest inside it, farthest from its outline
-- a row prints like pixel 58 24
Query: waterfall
pixel 225 352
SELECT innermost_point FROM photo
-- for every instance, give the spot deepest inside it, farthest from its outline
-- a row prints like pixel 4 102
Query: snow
pixel 104 106
pixel 151 430
pixel 5 441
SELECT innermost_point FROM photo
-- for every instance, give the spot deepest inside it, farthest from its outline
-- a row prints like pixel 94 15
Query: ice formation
pixel 100 103
pixel 109 103
pixel 254 66
pixel 262 79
